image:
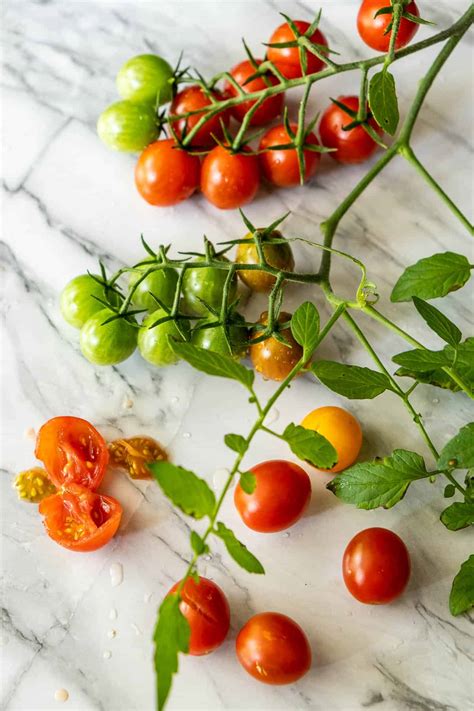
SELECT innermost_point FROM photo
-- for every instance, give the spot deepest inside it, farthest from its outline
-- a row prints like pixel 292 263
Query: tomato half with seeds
pixel 207 611
pixel 230 180
pixel 72 451
pixel 193 98
pixel 165 174
pixel 81 520
pixel 287 59
pixel 269 109
pixel 271 358
pixel 372 29
pixel 273 649
pixel 354 145
pixel 280 167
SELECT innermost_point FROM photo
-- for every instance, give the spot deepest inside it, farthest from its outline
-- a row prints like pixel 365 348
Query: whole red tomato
pixel 376 566
pixel 280 167
pixel 191 99
pixel 230 180
pixel 165 175
pixel 273 649
pixel 280 497
pixel 206 609
pixel 372 29
pixel 287 59
pixel 353 146
pixel 270 108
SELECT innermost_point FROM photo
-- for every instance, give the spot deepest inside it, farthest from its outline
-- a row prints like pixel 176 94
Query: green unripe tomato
pixel 205 284
pixel 125 126
pixel 214 339
pixel 110 343
pixel 161 283
pixel 153 343
pixel 141 78
pixel 77 301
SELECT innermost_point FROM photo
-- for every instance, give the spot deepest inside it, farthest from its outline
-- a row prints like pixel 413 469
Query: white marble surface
pixel 68 201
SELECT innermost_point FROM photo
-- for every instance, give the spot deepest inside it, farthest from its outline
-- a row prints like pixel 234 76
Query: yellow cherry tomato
pixel 278 255
pixel 341 429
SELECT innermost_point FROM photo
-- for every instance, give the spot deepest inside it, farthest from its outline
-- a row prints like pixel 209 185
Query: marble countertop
pixel 67 201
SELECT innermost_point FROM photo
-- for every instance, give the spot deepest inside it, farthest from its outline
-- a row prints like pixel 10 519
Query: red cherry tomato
pixel 372 29
pixel 271 107
pixel 230 180
pixel 376 566
pixel 281 167
pixel 273 649
pixel 281 494
pixel 81 520
pixel 165 175
pixel 205 607
pixel 353 146
pixel 72 451
pixel 191 99
pixel 287 59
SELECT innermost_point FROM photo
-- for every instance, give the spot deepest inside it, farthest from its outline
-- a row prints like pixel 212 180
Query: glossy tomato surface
pixel 207 611
pixel 269 109
pixel 273 649
pixel 192 99
pixel 165 174
pixel 271 358
pixel 78 302
pixel 107 343
pixel 353 146
pixel 287 59
pixel 372 29
pixel 72 451
pixel 153 341
pixel 81 520
pixel 341 429
pixel 160 283
pixel 280 497
pixel 376 566
pixel 280 167
pixel 230 180
pixel 277 254
pixel 204 286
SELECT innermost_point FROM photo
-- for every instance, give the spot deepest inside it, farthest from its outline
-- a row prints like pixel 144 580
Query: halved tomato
pixel 72 451
pixel 81 520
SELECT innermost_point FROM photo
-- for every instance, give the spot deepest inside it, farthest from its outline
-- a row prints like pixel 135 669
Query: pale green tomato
pixel 146 79
pixel 110 343
pixel 153 342
pixel 206 284
pixel 161 283
pixel 125 126
pixel 77 300
pixel 215 339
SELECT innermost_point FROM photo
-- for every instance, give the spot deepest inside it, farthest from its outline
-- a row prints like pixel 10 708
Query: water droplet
pixel 61 695
pixel 272 416
pixel 147 597
pixel 219 479
pixel 127 403
pixel 116 574
pixel 111 634
pixel 29 433
pixel 435 401
pixel 136 629
pixel 113 614
pixel 174 400
pixel 107 654
pixel 287 534
pixel 186 435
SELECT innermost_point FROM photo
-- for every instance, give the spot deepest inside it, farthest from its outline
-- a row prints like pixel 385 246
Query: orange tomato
pixel 341 429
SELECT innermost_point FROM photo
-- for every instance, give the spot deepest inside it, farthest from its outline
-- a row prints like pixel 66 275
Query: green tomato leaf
pixel 438 322
pixel 305 327
pixel 236 442
pixel 461 598
pixel 352 381
pixel 197 544
pixel 185 489
pixel 383 101
pixel 421 360
pixel 458 453
pixel 437 378
pixel 310 446
pixel 462 356
pixel 383 482
pixel 213 363
pixel 248 482
pixel 238 551
pixel 432 277
pixel 172 634
pixel 458 515
pixel 449 491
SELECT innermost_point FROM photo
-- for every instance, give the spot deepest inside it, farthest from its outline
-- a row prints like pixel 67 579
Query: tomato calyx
pixel 362 120
pixel 388 10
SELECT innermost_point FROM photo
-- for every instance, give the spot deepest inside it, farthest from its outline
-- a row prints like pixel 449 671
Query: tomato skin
pixel 94 518
pixel 353 146
pixel 279 256
pixel 273 649
pixel 162 283
pixel 72 451
pixel 376 566
pixel 371 29
pixel 229 180
pixel 281 495
pixel 271 107
pixel 165 174
pixel 272 359
pixel 205 607
pixel 107 343
pixel 153 342
pixel 205 284
pixel 141 78
pixel 214 339
pixel 77 302
pixel 287 59
pixel 191 99
pixel 341 429
pixel 281 167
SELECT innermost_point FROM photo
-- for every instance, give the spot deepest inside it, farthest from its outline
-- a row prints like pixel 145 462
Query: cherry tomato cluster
pixel 169 170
